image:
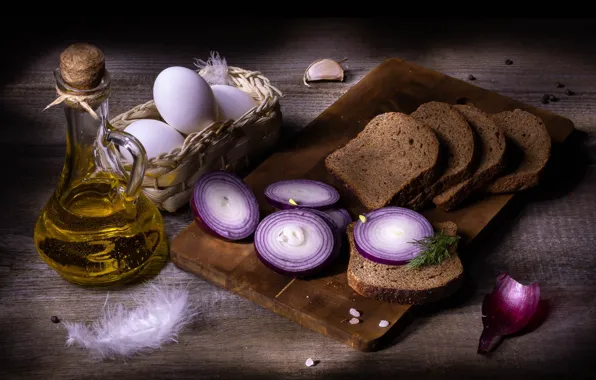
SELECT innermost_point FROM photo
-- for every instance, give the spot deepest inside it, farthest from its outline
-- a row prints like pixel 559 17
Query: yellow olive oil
pixel 94 236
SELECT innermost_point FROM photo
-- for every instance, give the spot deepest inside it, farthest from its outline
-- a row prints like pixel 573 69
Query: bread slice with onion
pixel 400 283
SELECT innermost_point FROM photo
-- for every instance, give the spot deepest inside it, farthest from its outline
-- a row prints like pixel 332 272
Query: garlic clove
pixel 323 69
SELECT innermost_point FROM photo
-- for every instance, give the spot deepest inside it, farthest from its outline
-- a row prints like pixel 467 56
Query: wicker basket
pixel 229 145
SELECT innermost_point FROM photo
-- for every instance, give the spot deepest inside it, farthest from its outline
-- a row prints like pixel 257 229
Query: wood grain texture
pixel 550 239
pixel 393 86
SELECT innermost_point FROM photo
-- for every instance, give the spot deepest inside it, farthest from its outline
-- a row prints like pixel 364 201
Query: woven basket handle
pixel 139 163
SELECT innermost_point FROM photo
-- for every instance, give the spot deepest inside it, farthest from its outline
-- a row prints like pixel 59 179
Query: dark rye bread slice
pixel 389 161
pixel 527 134
pixel 397 283
pixel 490 162
pixel 457 142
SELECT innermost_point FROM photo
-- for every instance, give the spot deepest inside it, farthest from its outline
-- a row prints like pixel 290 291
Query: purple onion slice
pixel 507 309
pixel 296 242
pixel 331 223
pixel 225 206
pixel 295 193
pixel 387 234
pixel 340 217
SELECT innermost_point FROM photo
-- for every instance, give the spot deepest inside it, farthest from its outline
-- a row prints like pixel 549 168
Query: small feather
pixel 159 317
pixel 214 70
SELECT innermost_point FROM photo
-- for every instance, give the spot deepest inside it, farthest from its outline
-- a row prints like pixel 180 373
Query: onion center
pixel 232 206
pixel 225 206
pixel 391 234
pixel 395 231
pixel 292 235
pixel 295 242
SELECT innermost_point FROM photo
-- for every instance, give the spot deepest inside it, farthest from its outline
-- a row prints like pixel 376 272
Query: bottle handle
pixel 139 163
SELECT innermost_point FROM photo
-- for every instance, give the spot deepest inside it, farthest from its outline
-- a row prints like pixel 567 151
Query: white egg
pixel 184 99
pixel 232 101
pixel 156 137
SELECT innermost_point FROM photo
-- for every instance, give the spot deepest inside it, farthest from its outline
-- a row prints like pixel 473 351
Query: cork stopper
pixel 82 66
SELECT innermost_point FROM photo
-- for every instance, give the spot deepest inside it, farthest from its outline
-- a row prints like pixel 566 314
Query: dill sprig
pixel 435 249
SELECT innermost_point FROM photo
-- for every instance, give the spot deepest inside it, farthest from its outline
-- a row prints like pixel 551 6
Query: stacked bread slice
pixel 529 151
pixel 457 140
pixel 514 148
pixel 490 152
pixel 391 161
pixel 439 155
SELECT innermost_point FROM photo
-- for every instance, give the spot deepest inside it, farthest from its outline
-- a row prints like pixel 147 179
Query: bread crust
pixel 403 295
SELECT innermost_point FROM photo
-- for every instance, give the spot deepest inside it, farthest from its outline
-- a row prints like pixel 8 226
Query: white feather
pixel 214 70
pixel 159 317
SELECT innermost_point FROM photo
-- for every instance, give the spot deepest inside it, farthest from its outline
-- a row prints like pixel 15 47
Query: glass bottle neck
pixel 83 129
pixel 89 155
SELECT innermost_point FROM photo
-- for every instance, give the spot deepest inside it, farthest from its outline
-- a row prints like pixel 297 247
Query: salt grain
pixel 354 312
pixel 383 323
pixel 354 321
pixel 309 362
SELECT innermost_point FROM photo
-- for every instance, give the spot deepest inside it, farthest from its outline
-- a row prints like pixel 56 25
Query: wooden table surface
pixel 550 239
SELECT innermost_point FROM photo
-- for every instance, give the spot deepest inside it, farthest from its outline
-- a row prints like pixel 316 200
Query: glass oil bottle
pixel 98 227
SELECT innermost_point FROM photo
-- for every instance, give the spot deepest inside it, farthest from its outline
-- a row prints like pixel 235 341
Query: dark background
pixel 549 237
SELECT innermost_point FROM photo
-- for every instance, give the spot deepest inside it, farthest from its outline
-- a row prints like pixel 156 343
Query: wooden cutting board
pixel 323 304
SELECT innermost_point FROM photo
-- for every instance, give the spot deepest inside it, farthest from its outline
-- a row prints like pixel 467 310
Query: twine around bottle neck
pixel 78 99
